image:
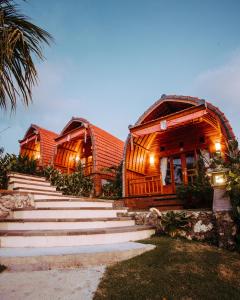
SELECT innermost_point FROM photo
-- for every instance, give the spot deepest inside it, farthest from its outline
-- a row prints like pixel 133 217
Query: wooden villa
pixel 96 149
pixel 38 143
pixel 163 146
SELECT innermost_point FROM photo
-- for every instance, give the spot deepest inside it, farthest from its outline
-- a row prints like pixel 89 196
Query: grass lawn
pixel 176 269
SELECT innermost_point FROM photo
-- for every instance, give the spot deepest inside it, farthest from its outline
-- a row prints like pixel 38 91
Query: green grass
pixel 176 269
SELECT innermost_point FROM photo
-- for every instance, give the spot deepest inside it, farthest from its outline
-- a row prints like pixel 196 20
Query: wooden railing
pixel 148 185
pixel 87 169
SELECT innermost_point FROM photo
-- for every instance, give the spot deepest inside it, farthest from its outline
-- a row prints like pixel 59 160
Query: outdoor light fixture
pixel 218 177
pixel 37 156
pixel 152 159
pixel 218 147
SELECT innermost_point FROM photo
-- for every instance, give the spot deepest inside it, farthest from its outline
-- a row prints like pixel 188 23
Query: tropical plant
pixel 15 163
pixel 76 183
pixel 113 188
pixel 198 194
pixel 20 41
pixel 232 163
pixel 173 223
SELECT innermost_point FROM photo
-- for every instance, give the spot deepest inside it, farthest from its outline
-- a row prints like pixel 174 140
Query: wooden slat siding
pixel 212 126
pixel 105 149
pixel 46 139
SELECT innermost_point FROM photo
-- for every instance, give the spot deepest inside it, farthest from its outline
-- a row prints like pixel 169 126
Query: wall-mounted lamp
pixel 151 159
pixel 218 146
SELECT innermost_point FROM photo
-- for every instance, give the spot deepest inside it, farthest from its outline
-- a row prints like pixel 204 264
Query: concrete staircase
pixel 65 221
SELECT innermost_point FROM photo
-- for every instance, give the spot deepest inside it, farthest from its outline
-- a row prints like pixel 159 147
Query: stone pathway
pixel 66 284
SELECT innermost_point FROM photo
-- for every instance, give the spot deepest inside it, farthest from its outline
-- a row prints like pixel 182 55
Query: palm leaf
pixel 20 42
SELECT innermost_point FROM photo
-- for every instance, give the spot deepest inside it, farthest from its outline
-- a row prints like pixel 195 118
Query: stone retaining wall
pixel 215 228
pixel 10 200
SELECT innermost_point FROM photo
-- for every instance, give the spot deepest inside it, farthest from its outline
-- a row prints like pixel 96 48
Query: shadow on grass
pixel 176 269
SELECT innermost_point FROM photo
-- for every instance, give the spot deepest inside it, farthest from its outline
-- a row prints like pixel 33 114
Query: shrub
pixel 173 223
pixel 198 194
pixel 76 184
pixel 15 163
pixel 113 189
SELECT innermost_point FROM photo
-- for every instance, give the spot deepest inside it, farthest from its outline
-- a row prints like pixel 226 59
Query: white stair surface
pixel 59 220
pixel 33 259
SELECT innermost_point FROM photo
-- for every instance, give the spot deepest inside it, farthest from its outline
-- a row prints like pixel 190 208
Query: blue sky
pixel 112 59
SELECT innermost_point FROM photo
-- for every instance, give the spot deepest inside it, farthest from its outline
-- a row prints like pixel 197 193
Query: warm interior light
pixel 218 147
pixel 219 179
pixel 152 159
pixel 37 156
pixel 77 158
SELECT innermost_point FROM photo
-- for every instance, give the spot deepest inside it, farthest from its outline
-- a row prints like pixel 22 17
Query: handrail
pixel 148 185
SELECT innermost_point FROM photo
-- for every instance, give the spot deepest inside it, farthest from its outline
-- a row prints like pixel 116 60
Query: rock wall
pixel 10 200
pixel 217 228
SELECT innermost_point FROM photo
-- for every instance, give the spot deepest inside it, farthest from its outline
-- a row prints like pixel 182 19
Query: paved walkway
pixel 68 284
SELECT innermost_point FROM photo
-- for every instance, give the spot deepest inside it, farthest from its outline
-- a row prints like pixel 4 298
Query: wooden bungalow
pixel 163 146
pixel 38 143
pixel 96 149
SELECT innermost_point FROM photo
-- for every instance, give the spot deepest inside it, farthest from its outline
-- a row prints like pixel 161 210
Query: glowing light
pixel 219 179
pixel 37 156
pixel 218 146
pixel 151 159
pixel 77 158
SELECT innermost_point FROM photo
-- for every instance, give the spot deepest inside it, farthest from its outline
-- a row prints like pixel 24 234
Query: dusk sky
pixel 112 59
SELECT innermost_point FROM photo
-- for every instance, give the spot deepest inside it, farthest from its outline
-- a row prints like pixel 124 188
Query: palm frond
pixel 20 41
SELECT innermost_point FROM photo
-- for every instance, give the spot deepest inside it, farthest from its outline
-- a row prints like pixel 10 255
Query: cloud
pixel 221 86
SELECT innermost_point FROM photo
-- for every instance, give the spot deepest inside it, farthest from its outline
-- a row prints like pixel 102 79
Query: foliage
pixel 173 222
pixel 20 42
pixel 198 194
pixel 232 163
pixel 76 183
pixel 113 189
pixel 15 163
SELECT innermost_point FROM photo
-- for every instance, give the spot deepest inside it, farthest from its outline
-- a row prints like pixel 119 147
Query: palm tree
pixel 20 42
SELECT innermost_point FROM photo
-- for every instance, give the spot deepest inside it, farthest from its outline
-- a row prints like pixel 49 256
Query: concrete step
pixel 59 212
pixel 31 186
pixel 28 181
pixel 71 203
pixel 16 175
pixel 33 259
pixel 66 224
pixel 37 191
pixel 62 238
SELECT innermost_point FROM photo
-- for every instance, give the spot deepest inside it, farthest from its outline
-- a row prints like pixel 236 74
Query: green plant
pixel 76 183
pixel 175 222
pixel 198 194
pixel 231 161
pixel 15 163
pixel 21 42
pixel 113 188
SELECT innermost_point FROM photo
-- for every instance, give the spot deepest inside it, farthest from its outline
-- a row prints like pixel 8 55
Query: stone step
pixel 62 238
pixel 83 212
pixel 27 181
pixel 32 186
pixel 66 224
pixel 16 175
pixel 71 203
pixel 33 259
pixel 37 192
